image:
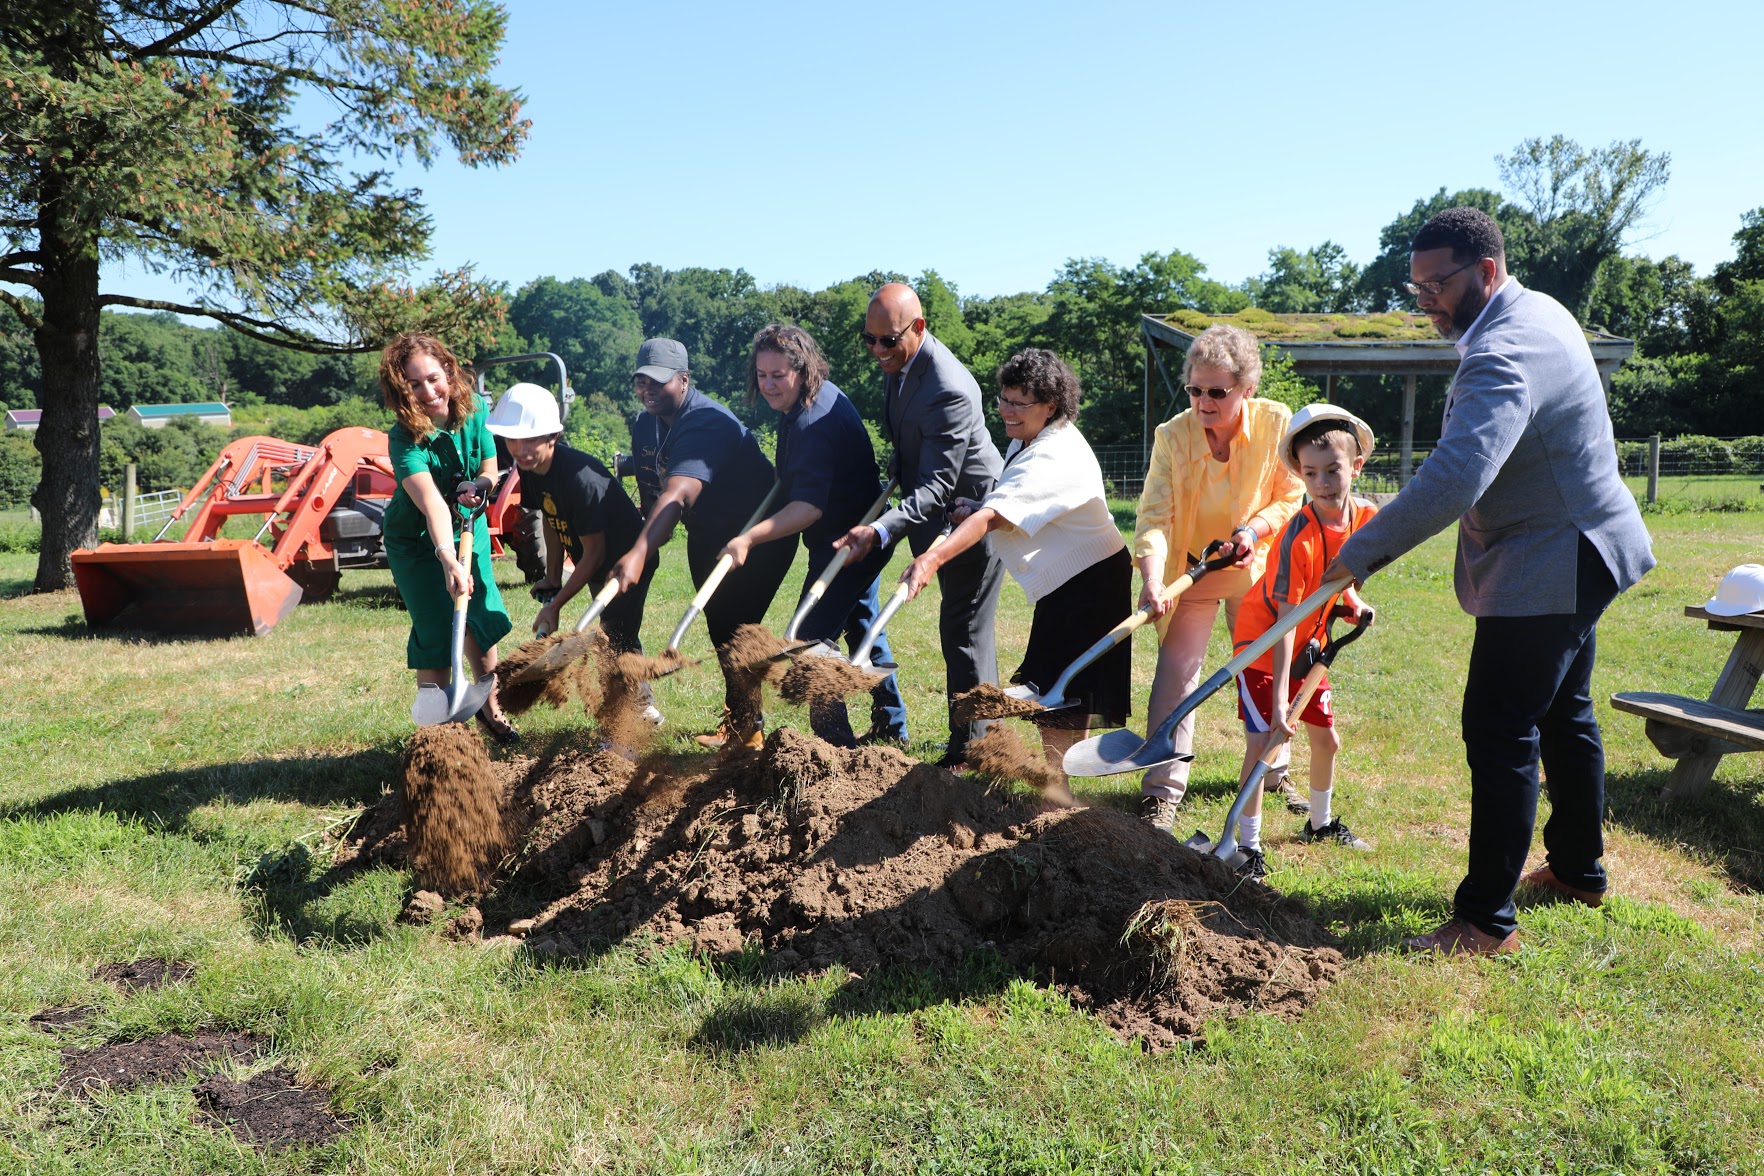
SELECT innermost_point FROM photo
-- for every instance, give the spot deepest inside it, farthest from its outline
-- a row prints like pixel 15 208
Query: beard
pixel 1464 314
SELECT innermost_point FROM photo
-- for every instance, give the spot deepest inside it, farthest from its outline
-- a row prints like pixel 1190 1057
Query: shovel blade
pixel 434 704
pixel 554 659
pixel 1118 752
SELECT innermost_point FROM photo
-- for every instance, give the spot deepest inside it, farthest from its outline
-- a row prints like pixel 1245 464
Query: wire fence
pixel 1123 466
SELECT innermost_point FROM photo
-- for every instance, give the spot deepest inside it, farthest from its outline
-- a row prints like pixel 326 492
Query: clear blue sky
pixel 809 143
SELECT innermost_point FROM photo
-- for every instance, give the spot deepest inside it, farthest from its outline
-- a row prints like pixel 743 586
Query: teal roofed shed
pixel 157 416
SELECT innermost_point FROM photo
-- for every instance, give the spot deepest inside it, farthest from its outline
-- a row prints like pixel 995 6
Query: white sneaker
pixel 652 716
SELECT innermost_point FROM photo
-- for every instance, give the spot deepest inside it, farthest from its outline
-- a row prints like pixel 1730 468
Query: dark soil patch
pixel 124 1065
pixel 987 701
pixel 71 1017
pixel 868 858
pixel 270 1110
pixel 147 973
pixel 453 807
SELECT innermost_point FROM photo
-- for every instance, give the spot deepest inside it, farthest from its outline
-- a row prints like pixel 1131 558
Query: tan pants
pixel 1181 657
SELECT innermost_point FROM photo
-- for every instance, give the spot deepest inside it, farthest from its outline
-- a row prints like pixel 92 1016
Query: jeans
pixel 847 609
pixel 1528 697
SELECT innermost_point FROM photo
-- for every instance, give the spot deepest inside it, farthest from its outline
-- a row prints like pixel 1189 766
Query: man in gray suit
pixel 1548 535
pixel 942 451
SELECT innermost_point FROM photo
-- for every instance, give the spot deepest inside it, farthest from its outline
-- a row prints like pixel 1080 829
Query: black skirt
pixel 1068 621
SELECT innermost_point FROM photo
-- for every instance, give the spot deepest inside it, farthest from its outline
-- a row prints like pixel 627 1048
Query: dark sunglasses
pixel 886 340
pixel 1195 391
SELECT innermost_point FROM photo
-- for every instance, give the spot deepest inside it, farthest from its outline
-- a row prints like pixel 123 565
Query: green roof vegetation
pixel 1393 326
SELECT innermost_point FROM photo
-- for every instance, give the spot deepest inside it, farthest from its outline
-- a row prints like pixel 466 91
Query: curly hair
pixel 799 348
pixel 395 391
pixel 1228 347
pixel 1046 378
pixel 1470 233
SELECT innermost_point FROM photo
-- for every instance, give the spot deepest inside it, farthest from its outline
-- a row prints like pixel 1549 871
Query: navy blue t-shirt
pixel 826 460
pixel 579 497
pixel 705 442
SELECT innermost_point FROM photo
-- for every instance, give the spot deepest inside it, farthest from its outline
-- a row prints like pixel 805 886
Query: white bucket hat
pixel 1309 415
pixel 1741 591
pixel 525 410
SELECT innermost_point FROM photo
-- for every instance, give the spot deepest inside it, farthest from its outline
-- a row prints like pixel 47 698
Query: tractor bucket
pixel 213 589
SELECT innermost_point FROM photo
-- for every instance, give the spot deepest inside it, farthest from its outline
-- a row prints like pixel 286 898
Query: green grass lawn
pixel 177 798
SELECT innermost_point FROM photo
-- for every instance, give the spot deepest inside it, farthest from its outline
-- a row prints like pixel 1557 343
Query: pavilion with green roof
pixel 1327 346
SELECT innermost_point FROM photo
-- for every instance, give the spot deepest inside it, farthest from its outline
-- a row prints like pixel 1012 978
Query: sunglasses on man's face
pixel 887 340
pixel 1195 392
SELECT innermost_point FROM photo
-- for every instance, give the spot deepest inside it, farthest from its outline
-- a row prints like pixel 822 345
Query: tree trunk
pixel 67 347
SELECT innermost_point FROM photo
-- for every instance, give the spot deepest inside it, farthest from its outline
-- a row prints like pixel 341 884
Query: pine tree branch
pixel 179 36
pixel 264 330
pixel 22 277
pixel 7 260
pixel 21 309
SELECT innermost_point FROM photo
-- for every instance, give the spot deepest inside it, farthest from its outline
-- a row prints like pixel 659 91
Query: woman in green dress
pixel 441 452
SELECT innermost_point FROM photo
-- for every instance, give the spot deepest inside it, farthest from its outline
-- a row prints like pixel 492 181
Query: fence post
pixel 128 503
pixel 1654 468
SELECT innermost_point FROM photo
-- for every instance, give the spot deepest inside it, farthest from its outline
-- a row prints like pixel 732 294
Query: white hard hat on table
pixel 525 410
pixel 1741 591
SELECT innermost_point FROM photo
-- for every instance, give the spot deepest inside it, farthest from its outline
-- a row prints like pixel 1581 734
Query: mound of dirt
pixel 987 701
pixel 269 1109
pixel 453 806
pixel 151 972
pixel 123 1065
pixel 868 858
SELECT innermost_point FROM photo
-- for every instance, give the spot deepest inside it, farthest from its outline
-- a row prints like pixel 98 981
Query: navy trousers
pixel 1528 697
pixel 848 609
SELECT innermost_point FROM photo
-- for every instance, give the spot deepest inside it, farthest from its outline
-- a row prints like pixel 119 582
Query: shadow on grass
pixel 367 596
pixel 1372 909
pixel 1726 822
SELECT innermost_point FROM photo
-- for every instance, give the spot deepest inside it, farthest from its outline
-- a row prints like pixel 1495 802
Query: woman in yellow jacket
pixel 1215 474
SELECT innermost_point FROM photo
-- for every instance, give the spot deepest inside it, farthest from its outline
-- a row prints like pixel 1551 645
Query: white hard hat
pixel 1741 591
pixel 1310 414
pixel 525 410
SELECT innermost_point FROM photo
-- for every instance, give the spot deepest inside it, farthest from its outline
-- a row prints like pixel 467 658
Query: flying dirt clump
pixel 453 809
pixel 747 664
pixel 816 678
pixel 987 701
pixel 553 689
pixel 1003 755
pixel 866 858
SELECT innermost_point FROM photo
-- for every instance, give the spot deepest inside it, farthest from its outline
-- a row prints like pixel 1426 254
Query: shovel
pixel 712 581
pixel 1055 698
pixel 1123 751
pixel 571 647
pixel 860 657
pixel 459 700
pixel 819 588
pixel 1227 843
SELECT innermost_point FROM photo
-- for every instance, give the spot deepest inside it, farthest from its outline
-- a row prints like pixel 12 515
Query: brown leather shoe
pixel 1456 937
pixel 1543 878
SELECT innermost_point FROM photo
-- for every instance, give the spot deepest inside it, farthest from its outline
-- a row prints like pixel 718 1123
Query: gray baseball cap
pixel 661 360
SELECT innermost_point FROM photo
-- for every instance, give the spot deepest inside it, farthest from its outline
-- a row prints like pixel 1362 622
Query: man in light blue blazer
pixel 1548 535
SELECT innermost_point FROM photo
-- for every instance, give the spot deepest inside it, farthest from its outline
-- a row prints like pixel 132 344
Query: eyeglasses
pixel 1438 284
pixel 887 340
pixel 1016 405
pixel 1195 391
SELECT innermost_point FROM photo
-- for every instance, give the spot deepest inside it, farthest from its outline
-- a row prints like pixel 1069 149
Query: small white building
pixel 157 416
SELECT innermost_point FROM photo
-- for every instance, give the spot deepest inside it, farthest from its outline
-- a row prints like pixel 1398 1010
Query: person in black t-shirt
pixel 587 513
pixel 828 474
pixel 697 464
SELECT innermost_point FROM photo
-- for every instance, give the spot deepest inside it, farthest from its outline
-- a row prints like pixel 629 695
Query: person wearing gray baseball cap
pixel 697 465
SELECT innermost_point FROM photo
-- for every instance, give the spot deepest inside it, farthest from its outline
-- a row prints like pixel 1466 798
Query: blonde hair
pixel 1228 347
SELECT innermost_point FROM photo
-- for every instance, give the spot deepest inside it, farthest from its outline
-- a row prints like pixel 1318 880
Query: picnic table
pixel 1697 732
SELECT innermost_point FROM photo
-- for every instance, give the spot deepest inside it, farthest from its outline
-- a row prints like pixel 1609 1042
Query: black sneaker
pixel 1334 831
pixel 1248 863
pixel 1158 812
pixel 1281 783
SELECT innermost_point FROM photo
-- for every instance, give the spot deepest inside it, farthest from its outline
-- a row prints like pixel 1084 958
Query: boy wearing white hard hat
pixel 1327 448
pixel 587 513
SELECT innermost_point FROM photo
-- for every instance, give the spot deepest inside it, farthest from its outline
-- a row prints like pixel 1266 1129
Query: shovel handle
pixel 861 655
pixel 457 685
pixel 601 599
pixel 1106 642
pixel 722 568
pixel 819 588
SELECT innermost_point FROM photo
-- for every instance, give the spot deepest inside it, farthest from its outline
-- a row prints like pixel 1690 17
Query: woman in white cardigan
pixel 1050 524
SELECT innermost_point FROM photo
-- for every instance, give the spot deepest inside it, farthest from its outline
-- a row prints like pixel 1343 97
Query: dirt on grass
pixel 987 701
pixel 867 858
pixel 270 1109
pixel 70 1017
pixel 124 1065
pixel 151 972
pixel 453 809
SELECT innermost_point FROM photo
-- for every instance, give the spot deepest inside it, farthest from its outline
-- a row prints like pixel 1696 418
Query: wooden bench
pixel 1697 733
